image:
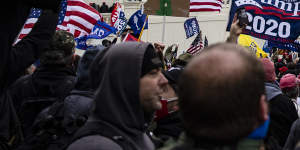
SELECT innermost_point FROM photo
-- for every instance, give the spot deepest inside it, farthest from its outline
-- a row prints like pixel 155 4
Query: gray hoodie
pixel 117 107
pixel 272 90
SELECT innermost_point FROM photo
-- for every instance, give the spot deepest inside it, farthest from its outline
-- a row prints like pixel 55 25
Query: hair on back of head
pixel 269 69
pixel 219 94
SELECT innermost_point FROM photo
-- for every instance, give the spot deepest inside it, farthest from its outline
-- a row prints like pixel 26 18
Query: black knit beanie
pixel 150 61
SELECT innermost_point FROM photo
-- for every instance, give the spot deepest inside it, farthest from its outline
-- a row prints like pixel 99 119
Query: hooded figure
pixel 51 81
pixel 63 118
pixel 78 104
pixel 124 106
pixel 15 59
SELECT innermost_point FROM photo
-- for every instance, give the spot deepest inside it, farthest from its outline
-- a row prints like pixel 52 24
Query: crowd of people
pixel 140 95
pixel 104 8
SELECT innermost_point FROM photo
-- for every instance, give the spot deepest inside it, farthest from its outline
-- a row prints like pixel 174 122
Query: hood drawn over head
pixel 83 79
pixel 118 70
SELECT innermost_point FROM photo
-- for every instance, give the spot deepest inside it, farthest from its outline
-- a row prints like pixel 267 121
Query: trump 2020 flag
pixel 137 21
pixel 295 46
pixel 191 27
pixel 118 19
pixel 272 20
pixel 101 30
pixel 75 16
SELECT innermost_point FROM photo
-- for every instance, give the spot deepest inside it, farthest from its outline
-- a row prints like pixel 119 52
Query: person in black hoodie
pixel 127 97
pixel 63 118
pixel 55 78
pixel 78 104
pixel 14 59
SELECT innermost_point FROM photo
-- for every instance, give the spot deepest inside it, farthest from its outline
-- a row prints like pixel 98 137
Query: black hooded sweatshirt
pixel 52 81
pixel 15 59
pixel 118 116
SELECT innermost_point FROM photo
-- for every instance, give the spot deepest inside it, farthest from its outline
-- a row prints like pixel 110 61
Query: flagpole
pixel 164 23
pixel 143 28
pixel 125 37
pixel 164 28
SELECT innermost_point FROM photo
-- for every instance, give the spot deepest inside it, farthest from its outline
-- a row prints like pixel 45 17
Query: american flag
pixel 75 16
pixel 205 5
pixel 196 45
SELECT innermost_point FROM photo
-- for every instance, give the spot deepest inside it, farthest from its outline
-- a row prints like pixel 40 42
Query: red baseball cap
pixel 288 81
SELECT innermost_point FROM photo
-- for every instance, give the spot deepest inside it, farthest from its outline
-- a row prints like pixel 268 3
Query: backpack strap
pixel 18 136
pixel 30 79
pixel 52 115
pixel 54 109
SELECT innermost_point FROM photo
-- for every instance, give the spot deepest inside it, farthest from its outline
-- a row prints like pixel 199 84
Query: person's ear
pixel 264 110
pixel 235 18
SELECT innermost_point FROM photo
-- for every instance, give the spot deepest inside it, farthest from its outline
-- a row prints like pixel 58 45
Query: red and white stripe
pixel 79 20
pixel 195 49
pixel 205 5
pixel 27 28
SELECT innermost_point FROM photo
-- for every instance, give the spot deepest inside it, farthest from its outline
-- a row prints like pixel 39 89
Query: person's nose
pixel 163 80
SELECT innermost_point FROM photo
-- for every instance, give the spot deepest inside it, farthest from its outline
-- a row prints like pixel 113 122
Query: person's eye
pixel 155 71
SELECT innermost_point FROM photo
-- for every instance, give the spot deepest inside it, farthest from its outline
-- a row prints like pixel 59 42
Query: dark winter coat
pixel 77 107
pixel 169 126
pixel 15 59
pixel 294 136
pixel 118 116
pixel 63 118
pixel 50 81
pixel 282 114
pixel 54 126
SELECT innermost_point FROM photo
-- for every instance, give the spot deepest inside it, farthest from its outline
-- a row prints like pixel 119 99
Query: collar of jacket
pixel 56 69
pixel 272 90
